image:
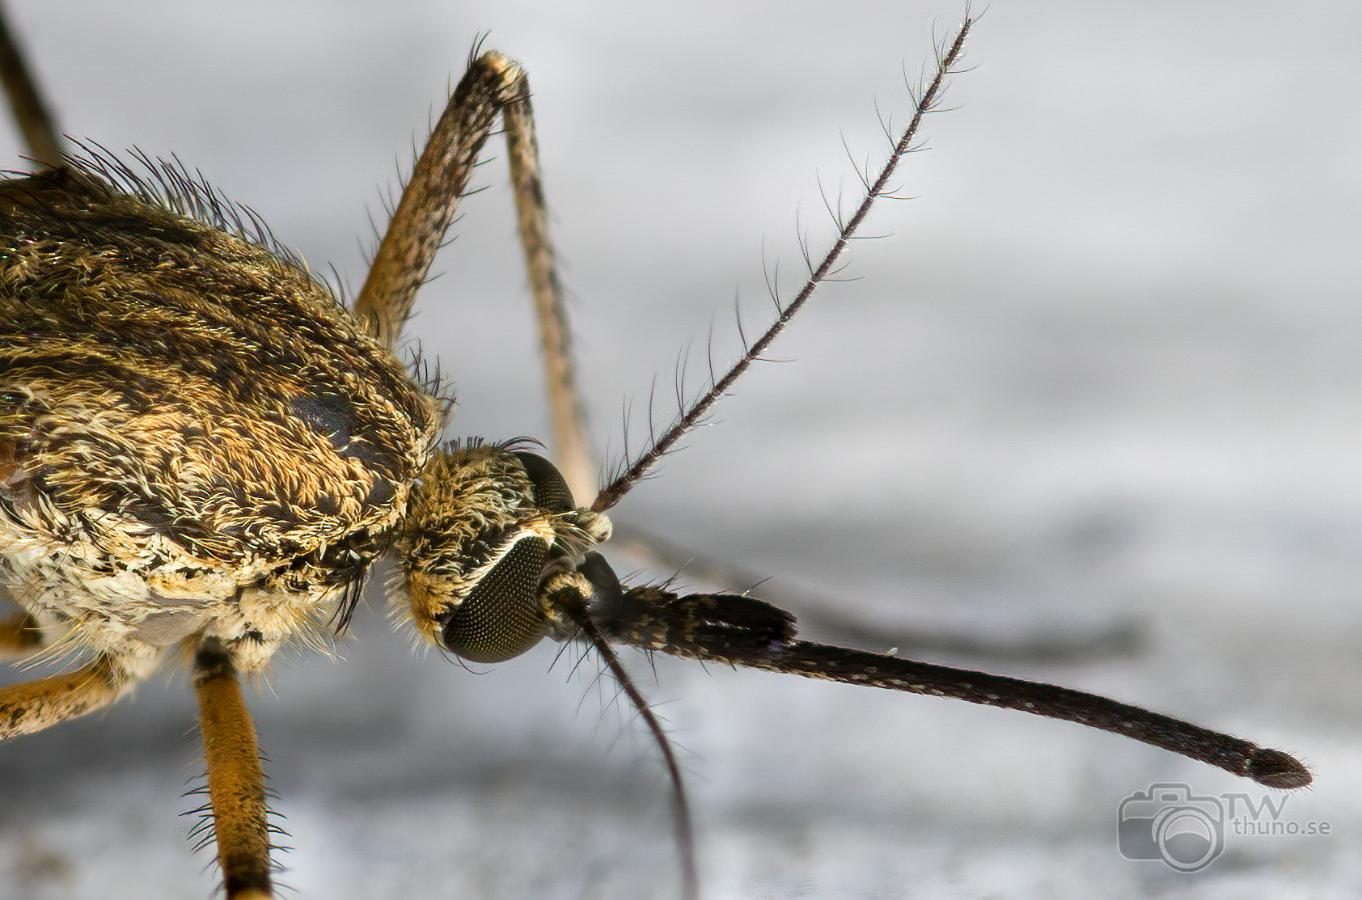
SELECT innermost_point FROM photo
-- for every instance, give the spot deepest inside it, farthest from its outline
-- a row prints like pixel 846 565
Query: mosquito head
pixel 484 527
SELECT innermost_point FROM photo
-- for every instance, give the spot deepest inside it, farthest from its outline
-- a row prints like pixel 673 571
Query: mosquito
pixel 202 448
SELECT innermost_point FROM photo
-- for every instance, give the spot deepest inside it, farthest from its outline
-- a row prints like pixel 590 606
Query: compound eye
pixel 501 617
pixel 551 492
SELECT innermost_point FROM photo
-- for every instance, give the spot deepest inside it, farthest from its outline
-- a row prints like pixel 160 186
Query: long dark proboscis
pixel 948 56
pixel 1271 768
pixel 738 630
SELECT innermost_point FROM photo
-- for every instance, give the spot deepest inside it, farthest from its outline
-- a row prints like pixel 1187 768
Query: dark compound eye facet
pixel 501 617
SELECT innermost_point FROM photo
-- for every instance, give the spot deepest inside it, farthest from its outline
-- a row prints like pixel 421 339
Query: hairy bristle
pixel 169 184
pixel 948 55
pixel 685 835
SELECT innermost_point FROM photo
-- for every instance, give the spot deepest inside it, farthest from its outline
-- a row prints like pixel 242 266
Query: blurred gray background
pixel 1105 371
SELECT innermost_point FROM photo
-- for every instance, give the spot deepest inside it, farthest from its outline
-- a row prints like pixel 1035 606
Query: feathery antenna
pixel 948 53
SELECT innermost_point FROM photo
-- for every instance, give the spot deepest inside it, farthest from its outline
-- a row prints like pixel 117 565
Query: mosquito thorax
pixel 485 525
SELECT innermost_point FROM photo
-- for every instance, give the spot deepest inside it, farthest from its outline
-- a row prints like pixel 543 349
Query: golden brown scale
pixel 185 417
pixel 200 380
pixel 467 494
pixel 481 500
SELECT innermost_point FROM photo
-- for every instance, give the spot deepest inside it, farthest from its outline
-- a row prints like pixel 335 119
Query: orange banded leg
pixel 236 787
pixel 35 705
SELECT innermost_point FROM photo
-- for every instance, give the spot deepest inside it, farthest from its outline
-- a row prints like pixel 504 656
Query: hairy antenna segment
pixel 948 55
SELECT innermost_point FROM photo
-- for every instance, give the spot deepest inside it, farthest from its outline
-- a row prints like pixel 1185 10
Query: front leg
pixel 433 192
pixel 35 705
pixel 492 86
pixel 236 786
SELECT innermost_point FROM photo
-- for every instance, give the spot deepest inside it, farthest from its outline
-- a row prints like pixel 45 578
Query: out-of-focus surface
pixel 1105 369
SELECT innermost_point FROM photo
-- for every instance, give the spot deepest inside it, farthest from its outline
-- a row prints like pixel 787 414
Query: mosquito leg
pixel 19 636
pixel 31 114
pixel 432 195
pixel 571 447
pixel 236 787
pixel 35 705
pixel 846 624
pixel 492 85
